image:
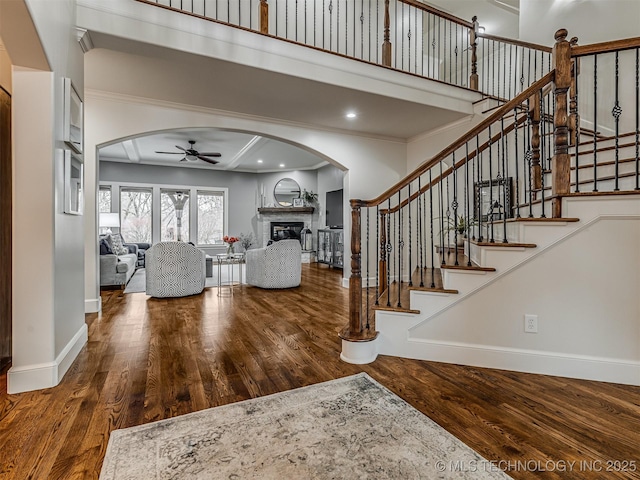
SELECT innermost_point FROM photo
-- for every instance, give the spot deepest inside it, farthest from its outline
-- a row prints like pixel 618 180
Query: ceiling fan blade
pixel 181 148
pixel 172 153
pixel 210 154
pixel 208 160
pixel 183 159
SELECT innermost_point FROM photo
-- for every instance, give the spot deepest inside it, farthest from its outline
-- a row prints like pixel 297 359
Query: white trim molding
pixel 46 375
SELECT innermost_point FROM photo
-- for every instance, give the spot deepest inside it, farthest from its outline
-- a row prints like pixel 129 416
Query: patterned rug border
pixel 417 431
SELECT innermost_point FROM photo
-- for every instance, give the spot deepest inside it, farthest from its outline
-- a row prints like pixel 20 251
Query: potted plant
pixel 460 226
pixel 308 197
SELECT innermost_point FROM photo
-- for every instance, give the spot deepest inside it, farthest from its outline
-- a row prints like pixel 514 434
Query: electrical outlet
pixel 531 324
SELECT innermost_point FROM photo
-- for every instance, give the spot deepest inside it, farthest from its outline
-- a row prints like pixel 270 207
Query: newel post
pixel 386 44
pixel 356 325
pixel 264 16
pixel 358 343
pixel 473 41
pixel 382 262
pixel 561 163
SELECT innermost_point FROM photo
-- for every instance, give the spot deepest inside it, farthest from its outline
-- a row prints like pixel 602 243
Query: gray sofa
pixel 117 269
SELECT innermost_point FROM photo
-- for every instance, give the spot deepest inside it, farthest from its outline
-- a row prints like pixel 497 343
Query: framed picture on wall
pixel 73 184
pixel 297 202
pixel 492 199
pixel 73 117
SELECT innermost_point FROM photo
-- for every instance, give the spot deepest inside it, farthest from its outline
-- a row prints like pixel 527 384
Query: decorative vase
pixel 230 249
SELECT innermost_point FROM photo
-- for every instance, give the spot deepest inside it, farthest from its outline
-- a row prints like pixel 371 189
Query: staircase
pixel 529 214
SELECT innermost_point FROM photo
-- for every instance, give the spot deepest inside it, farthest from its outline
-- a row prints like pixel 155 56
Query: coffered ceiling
pixel 239 151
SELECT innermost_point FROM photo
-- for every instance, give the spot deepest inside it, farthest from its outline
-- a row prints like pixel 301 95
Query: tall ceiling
pixel 152 71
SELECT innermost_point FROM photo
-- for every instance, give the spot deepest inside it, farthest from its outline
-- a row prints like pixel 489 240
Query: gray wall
pixel 242 187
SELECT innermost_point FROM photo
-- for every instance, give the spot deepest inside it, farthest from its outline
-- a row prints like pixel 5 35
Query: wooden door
pixel 5 229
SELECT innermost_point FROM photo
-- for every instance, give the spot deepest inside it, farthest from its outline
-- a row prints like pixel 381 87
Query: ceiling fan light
pixel 191 158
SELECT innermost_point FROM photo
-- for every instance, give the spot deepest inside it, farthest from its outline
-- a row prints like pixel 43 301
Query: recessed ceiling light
pixel 259 161
pixel 351 115
pixel 281 165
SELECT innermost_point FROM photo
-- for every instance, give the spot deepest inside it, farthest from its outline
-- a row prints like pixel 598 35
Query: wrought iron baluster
pixel 409 208
pixel 441 215
pixel 388 248
pixel 543 139
pixel 467 214
pixel 515 116
pixel 616 112
pixel 637 118
pixel 574 101
pixel 490 220
pixel 433 260
pixel 528 158
pixel 420 233
pixel 455 205
pixel 378 248
pixel 477 192
pixel 400 247
pixel 595 122
pixel 505 171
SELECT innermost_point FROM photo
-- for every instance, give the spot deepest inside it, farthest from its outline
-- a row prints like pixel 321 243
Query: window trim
pixel 155 205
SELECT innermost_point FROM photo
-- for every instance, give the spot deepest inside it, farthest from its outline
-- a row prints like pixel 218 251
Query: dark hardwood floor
pixel 149 359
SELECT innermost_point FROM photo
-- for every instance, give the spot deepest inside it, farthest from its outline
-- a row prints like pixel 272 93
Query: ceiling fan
pixel 192 155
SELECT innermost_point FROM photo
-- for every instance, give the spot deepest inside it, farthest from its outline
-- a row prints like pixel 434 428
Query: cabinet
pixel 331 247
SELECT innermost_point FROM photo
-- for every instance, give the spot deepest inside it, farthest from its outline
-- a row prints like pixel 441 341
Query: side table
pixel 230 261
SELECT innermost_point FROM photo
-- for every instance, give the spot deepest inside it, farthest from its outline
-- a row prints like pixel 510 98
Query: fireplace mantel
pixel 278 210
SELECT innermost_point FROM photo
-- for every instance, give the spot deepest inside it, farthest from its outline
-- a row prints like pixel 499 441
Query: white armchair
pixel 174 269
pixel 277 266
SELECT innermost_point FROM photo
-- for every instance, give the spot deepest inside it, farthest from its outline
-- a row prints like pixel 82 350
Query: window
pixel 135 214
pixel 174 215
pixel 210 217
pixel 104 199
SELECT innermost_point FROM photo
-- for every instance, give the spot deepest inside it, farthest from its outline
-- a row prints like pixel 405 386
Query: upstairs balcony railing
pixel 404 35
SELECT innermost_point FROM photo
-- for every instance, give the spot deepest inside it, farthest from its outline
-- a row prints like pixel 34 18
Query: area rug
pixel 138 282
pixel 343 429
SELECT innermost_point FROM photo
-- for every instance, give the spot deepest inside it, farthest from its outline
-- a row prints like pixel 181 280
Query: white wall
pixel 592 21
pixel 49 332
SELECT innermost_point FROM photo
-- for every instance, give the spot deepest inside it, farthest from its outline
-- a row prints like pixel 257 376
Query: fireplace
pixel 286 230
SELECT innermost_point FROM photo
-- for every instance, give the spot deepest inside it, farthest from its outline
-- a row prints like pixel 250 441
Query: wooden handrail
pixel 457 165
pixel 519 43
pixel 605 47
pixel 440 13
pixel 510 105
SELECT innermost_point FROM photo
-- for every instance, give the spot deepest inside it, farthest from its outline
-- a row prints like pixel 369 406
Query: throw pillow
pixel 118 247
pixel 105 248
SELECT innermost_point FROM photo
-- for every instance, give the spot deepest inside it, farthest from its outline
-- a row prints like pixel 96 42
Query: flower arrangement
pixel 308 197
pixel 246 240
pixel 230 241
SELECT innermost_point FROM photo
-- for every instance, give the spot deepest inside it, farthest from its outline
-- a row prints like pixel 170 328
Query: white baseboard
pixel 528 361
pixel 93 305
pixel 46 375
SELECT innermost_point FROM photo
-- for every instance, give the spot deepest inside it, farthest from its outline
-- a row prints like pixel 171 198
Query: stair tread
pixel 463 261
pixel 391 296
pixel 541 220
pixel 504 244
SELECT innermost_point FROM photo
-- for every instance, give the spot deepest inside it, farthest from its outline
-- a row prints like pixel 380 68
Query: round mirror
pixel 286 191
